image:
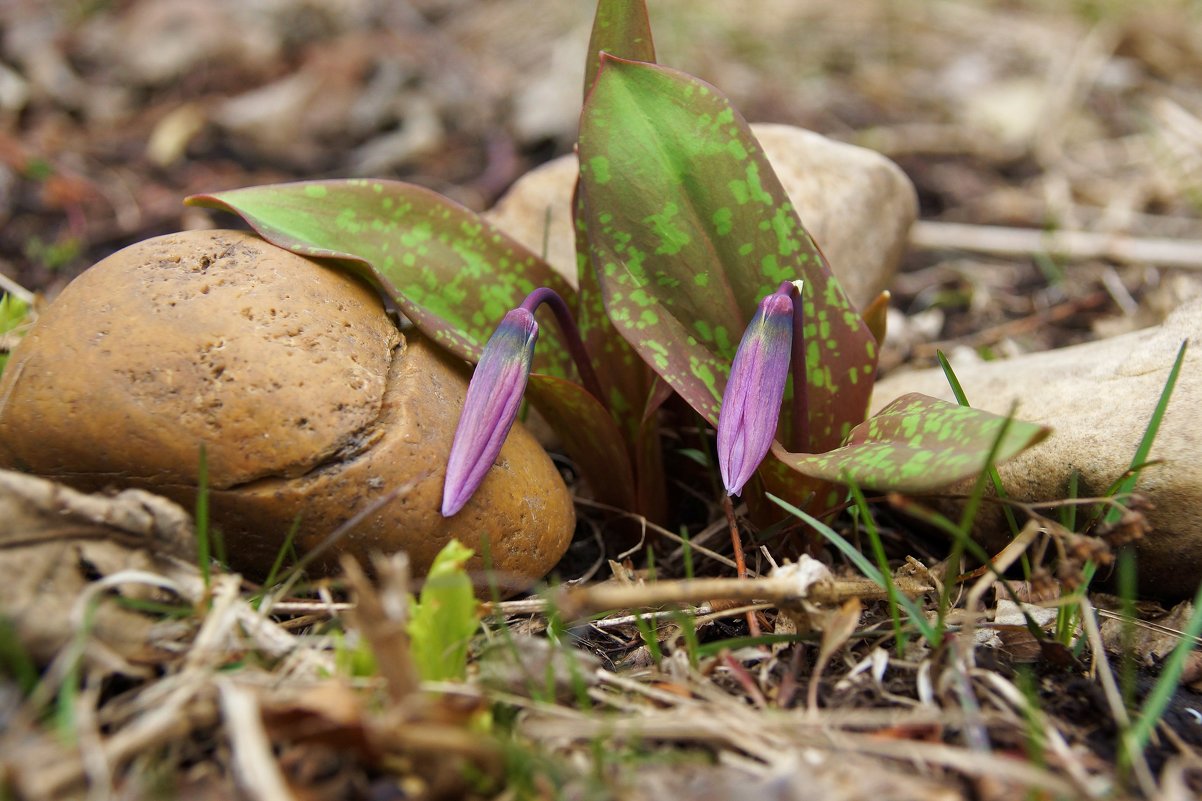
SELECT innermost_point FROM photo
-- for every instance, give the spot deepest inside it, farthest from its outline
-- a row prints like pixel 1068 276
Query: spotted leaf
pixel 689 228
pixel 585 427
pixel 448 270
pixel 917 444
pixel 621 28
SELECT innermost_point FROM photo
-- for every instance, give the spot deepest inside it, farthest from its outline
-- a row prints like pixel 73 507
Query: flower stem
pixel 753 625
pixel 571 335
pixel 799 433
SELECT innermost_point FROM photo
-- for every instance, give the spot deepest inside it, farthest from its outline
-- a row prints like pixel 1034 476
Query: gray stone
pixel 857 204
pixel 1098 398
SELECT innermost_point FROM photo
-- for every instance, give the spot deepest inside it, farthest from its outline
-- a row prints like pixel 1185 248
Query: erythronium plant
pixel 690 257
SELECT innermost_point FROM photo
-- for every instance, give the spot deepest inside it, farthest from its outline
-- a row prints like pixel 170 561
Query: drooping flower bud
pixel 751 403
pixel 490 408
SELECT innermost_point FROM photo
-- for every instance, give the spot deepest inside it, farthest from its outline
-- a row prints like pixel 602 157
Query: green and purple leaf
pixel 917 444
pixel 689 228
pixel 625 378
pixel 590 435
pixel 448 270
pixel 621 28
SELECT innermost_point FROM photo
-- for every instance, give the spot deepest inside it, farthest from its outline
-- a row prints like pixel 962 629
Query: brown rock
pixel 857 204
pixel 307 399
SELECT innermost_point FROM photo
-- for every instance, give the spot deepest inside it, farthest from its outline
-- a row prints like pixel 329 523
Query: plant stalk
pixel 571 335
pixel 799 434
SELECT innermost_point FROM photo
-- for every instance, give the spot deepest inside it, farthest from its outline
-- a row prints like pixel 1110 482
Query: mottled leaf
pixel 624 376
pixel 632 390
pixel 648 456
pixel 917 444
pixel 590 435
pixel 448 270
pixel 620 27
pixel 690 228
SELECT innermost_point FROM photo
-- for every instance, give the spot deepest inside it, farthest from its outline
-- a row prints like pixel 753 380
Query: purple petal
pixel 751 402
pixel 493 399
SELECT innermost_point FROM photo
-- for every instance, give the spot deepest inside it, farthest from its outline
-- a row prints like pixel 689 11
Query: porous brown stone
pixel 309 402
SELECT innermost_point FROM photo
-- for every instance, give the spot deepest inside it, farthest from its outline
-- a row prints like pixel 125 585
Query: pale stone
pixel 1098 398
pixel 857 205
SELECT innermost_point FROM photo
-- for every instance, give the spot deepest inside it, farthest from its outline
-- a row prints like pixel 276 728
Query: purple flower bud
pixel 751 402
pixel 493 398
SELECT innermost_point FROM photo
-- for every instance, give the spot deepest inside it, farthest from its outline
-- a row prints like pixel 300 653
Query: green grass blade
pixel 1068 513
pixel 936 520
pixel 688 631
pixel 283 552
pixel 647 632
pixel 962 533
pixel 882 561
pixel 15 660
pixel 204 552
pixel 1145 445
pixel 962 399
pixel 1127 583
pixel 929 633
pixel 952 380
pixel 709 649
pixel 1170 676
pixel 686 552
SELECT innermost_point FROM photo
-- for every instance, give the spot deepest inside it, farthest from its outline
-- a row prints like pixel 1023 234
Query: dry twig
pixel 1068 245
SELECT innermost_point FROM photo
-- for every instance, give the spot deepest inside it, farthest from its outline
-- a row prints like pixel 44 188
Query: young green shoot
pixel 882 562
pixel 962 533
pixel 686 552
pixel 1035 740
pixel 204 551
pixel 1068 512
pixel 1127 583
pixel 1069 615
pixel 970 546
pixel 445 616
pixel 688 632
pixel 68 690
pixel 648 633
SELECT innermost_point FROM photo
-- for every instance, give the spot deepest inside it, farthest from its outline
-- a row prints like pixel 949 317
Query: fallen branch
pixel 579 601
pixel 11 287
pixel 1068 245
pixel 1012 328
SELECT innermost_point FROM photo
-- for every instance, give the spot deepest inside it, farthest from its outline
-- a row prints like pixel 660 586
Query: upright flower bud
pixel 751 402
pixel 493 399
